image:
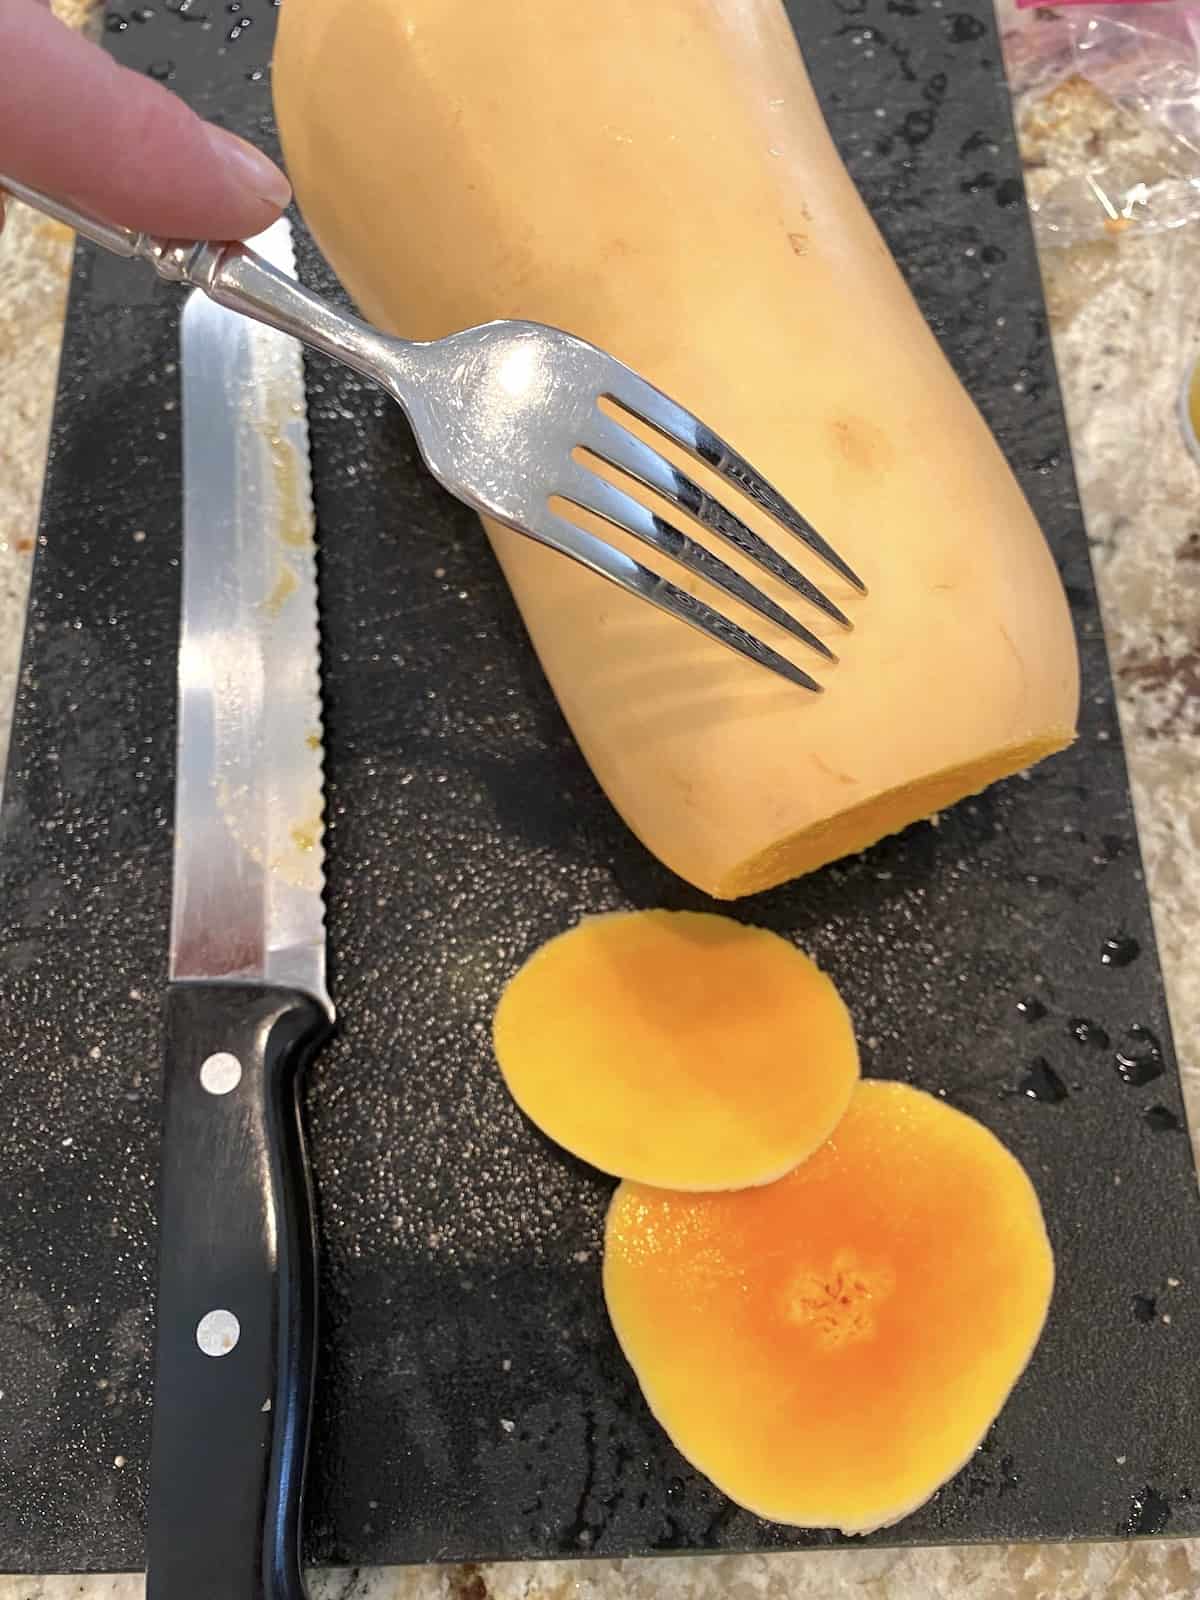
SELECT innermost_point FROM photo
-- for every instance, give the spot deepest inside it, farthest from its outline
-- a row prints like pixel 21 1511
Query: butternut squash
pixel 831 1348
pixel 658 178
pixel 678 1048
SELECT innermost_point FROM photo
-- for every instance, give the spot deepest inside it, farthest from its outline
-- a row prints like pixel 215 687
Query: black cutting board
pixel 472 1399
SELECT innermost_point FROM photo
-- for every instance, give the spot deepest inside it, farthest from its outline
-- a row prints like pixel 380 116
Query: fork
pixel 503 413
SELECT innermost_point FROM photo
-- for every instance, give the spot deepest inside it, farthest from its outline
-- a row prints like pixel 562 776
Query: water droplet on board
pixel 114 22
pixel 256 74
pixel 1149 1513
pixel 1119 951
pixel 1145 1307
pixel 1031 1008
pixel 964 29
pixel 1089 1033
pixel 1163 1120
pixel 1139 1058
pixel 1043 1084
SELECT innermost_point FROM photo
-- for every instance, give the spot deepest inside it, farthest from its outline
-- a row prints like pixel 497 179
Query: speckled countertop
pixel 1126 319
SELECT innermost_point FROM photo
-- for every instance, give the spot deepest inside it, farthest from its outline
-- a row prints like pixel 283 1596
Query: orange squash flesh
pixel 677 1048
pixel 830 1349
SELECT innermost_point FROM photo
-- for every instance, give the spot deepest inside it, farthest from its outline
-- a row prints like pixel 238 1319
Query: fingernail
pixel 249 168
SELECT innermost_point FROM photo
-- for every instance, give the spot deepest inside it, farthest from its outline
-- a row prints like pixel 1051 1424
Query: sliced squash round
pixel 831 1348
pixel 678 1048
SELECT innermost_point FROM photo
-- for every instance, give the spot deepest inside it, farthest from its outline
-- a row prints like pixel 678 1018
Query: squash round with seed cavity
pixel 831 1348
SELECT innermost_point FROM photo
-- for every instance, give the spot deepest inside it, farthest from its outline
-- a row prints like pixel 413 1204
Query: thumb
pixel 119 145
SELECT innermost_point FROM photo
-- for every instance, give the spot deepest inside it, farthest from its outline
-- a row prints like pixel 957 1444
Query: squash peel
pixel 459 162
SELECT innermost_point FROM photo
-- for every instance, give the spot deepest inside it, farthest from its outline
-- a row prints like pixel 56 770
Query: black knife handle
pixel 236 1240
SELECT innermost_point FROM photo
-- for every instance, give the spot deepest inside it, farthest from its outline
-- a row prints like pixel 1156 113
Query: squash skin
pixel 659 179
pixel 679 1048
pixel 832 1348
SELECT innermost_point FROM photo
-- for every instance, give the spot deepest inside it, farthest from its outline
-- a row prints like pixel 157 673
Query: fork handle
pixel 232 275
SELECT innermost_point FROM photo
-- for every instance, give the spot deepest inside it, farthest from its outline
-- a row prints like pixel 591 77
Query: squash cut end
pixel 849 832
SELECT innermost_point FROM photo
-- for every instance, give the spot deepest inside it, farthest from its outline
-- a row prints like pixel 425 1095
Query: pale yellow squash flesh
pixel 658 178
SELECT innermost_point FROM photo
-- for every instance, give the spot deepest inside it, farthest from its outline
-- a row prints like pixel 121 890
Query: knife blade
pixel 247 1003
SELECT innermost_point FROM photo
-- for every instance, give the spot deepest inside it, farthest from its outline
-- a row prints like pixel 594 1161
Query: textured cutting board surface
pixel 472 1399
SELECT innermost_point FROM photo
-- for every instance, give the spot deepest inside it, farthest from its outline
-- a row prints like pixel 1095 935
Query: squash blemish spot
pixel 861 445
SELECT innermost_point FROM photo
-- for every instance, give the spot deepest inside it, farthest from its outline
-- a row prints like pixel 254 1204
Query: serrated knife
pixel 247 1003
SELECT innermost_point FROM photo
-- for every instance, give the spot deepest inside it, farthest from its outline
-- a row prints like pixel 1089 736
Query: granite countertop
pixel 1125 315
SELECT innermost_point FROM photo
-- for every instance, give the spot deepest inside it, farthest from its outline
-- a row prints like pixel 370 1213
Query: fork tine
pixel 624 450
pixel 643 400
pixel 604 559
pixel 596 494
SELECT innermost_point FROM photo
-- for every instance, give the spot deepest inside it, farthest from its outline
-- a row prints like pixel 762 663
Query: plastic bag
pixel 1108 103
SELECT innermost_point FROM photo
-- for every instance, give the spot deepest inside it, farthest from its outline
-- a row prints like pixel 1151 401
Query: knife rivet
pixel 221 1073
pixel 217 1332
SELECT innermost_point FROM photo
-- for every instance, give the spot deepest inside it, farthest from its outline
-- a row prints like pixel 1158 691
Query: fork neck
pixel 237 278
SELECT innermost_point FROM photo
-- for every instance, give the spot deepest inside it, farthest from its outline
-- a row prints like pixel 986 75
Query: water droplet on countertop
pixel 1119 951
pixel 1088 1032
pixel 1031 1008
pixel 1043 1084
pixel 1163 1120
pixel 1145 1307
pixel 1139 1058
pixel 1149 1513
pixel 256 74
pixel 115 22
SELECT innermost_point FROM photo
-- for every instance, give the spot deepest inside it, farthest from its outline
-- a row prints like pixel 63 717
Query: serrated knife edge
pixel 249 828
